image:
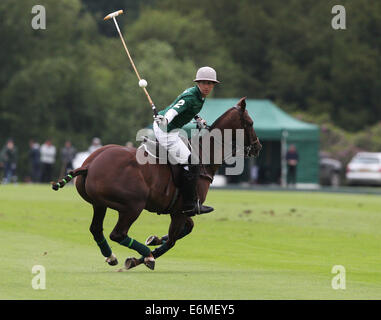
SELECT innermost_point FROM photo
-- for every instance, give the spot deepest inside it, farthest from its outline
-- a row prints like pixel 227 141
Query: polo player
pixel 185 108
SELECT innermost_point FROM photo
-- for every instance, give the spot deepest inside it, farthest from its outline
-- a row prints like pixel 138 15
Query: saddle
pixel 160 155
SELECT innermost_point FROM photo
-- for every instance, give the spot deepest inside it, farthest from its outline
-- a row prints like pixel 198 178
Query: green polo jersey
pixel 187 105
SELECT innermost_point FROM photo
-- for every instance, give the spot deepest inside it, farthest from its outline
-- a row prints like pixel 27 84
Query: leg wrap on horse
pixel 103 245
pixel 160 250
pixel 136 245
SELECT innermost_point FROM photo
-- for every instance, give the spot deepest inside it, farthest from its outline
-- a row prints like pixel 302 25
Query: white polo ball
pixel 142 83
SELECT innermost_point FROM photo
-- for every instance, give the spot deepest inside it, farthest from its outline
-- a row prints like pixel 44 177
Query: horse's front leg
pixel 180 226
pixel 156 241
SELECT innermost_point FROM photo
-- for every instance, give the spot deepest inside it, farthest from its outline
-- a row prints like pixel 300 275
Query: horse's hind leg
pixel 96 229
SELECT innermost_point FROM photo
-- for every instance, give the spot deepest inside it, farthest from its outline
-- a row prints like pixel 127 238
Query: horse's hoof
pixel 130 263
pixel 112 260
pixel 152 241
pixel 150 262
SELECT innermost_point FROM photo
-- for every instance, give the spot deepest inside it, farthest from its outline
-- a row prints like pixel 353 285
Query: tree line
pixel 74 81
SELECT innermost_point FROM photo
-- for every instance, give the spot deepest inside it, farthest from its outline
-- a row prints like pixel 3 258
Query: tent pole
pixel 283 151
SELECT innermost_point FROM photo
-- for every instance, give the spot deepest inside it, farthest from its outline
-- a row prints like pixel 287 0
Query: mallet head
pixel 113 14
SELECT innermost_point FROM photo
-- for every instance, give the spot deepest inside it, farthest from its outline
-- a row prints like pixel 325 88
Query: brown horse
pixel 111 177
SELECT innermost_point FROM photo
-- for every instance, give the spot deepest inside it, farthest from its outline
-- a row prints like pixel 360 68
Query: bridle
pixel 237 148
pixel 245 126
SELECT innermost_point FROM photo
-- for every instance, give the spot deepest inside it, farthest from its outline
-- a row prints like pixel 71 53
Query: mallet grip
pixel 150 102
pixel 154 110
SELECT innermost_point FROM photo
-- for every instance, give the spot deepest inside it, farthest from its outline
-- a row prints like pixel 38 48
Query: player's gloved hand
pixel 160 120
pixel 201 123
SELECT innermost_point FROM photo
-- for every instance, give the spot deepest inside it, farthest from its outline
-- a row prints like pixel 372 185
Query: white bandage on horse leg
pixel 111 258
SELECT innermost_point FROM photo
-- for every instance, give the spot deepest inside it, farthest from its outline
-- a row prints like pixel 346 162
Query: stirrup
pixel 198 208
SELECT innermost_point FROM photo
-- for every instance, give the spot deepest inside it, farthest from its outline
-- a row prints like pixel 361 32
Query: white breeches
pixel 172 142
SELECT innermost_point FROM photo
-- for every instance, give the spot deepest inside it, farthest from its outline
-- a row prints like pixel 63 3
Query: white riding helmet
pixel 206 74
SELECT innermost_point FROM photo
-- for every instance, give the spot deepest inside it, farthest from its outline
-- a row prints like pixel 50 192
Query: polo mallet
pixel 142 82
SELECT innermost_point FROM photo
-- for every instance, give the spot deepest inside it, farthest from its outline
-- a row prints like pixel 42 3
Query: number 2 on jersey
pixel 179 103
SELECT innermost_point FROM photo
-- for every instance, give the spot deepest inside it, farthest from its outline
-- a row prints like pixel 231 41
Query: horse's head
pixel 235 118
pixel 252 146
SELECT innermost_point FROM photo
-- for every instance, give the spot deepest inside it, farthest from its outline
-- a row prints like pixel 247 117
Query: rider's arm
pixel 170 114
pixel 178 107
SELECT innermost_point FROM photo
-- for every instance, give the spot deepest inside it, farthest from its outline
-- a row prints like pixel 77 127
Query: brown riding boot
pixel 191 203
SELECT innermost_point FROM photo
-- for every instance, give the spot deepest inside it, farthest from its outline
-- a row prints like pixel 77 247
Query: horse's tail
pixel 71 175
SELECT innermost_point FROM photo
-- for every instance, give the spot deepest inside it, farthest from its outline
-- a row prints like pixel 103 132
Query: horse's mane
pixel 221 117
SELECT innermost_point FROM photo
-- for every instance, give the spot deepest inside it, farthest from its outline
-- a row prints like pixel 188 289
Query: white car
pixel 364 168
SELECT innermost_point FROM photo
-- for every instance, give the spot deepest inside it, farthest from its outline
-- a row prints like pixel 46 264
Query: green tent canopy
pixel 271 124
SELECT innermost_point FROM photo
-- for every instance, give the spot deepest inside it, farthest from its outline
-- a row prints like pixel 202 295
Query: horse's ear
pixel 242 103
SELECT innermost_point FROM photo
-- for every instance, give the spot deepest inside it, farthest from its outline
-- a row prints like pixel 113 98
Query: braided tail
pixel 72 174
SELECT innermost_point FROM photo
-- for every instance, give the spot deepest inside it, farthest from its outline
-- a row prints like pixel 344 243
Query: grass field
pixel 255 245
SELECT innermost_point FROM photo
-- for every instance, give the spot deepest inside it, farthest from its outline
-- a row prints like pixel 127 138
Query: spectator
pixel 9 160
pixel 34 158
pixel 67 155
pixel 254 171
pixel 292 159
pixel 96 144
pixel 48 158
